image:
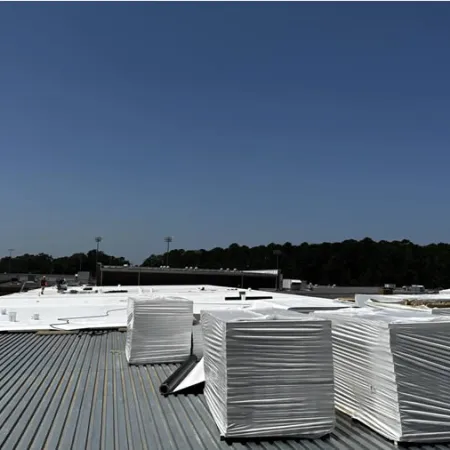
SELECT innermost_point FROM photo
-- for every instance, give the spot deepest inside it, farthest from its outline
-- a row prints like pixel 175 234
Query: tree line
pixel 348 263
pixel 43 263
pixel 351 262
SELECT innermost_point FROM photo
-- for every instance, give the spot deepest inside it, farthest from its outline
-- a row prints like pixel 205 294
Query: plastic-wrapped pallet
pixel 392 371
pixel 268 376
pixel 159 330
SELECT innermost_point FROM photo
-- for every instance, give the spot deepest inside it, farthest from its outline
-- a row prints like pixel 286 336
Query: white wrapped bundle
pixel 268 376
pixel 391 372
pixel 159 330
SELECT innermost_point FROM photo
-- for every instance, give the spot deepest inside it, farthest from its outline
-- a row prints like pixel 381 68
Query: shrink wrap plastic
pixel 392 371
pixel 268 376
pixel 159 330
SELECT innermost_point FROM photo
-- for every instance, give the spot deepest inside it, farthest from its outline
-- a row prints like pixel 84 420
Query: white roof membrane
pixel 106 307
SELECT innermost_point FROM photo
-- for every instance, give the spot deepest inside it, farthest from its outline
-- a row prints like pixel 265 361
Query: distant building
pixel 82 277
pixel 292 285
pixel 134 275
pixel 417 288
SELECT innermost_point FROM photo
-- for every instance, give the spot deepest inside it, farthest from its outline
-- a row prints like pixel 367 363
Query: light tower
pixel 277 253
pixel 168 240
pixel 98 239
pixel 10 250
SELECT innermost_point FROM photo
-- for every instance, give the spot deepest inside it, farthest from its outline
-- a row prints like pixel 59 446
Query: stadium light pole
pixel 277 253
pixel 98 239
pixel 10 250
pixel 168 240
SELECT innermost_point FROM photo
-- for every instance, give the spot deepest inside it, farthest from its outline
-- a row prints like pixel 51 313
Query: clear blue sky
pixel 222 122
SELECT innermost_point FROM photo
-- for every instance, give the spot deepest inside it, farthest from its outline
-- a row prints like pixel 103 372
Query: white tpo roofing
pixel 362 300
pixel 101 308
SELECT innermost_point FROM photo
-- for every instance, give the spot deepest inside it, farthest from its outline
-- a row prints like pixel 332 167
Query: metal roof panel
pixel 77 391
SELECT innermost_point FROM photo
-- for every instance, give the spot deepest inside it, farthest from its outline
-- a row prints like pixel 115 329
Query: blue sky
pixel 222 122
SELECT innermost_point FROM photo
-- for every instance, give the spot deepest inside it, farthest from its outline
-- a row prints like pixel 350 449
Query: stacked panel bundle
pixel 268 376
pixel 159 330
pixel 392 371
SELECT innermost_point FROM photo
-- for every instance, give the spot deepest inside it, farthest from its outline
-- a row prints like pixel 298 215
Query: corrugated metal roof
pixel 77 391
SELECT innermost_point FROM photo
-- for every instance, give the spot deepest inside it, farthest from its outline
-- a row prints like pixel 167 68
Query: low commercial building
pixel 136 275
pixel 292 285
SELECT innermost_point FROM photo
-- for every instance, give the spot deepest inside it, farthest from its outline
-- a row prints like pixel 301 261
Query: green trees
pixel 351 262
pixel 46 264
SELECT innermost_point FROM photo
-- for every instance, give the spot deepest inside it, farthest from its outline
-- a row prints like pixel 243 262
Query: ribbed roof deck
pixel 76 391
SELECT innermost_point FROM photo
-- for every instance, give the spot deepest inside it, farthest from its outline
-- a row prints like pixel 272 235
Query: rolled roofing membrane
pixel 195 376
pixel 182 377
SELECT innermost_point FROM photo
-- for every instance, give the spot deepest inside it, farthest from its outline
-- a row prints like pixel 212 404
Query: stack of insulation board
pixel 305 304
pixel 430 303
pixel 268 376
pixel 392 371
pixel 159 330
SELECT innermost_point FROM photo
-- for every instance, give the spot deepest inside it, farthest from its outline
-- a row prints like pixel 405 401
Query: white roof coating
pixel 304 302
pixel 362 299
pixel 101 308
